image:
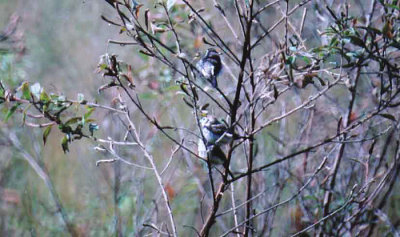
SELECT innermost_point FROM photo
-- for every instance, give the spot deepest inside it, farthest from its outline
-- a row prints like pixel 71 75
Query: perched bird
pixel 212 152
pixel 214 132
pixel 209 66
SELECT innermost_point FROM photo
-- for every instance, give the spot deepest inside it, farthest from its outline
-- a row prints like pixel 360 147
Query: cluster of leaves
pixel 358 43
pixel 52 108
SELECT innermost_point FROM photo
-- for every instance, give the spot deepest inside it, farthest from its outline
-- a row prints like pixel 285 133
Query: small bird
pixel 214 132
pixel 210 66
pixel 212 152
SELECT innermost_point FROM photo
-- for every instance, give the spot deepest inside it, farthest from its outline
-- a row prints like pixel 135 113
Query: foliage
pixel 314 120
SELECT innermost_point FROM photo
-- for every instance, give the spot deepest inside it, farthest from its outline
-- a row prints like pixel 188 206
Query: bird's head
pixel 212 53
pixel 204 122
pixel 208 120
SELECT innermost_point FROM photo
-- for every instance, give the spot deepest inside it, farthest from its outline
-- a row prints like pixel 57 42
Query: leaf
pixel 11 111
pixel 130 76
pixel 46 134
pixel 291 60
pixel 170 4
pixel 64 144
pixel 146 53
pixel 73 120
pixel 188 103
pixel 198 42
pixel 44 97
pixel 137 10
pixel 205 106
pixel 148 95
pixel 26 92
pixel 36 89
pixel 24 113
pixel 388 116
pixel 89 112
pixel 370 29
pixel 183 88
pixel 157 29
pixel 307 60
pixel 195 95
pixel 334 42
pixel 170 192
pixel 393 6
pixel 102 66
pixel 172 88
pixel 146 18
pixel 357 41
pixel 276 93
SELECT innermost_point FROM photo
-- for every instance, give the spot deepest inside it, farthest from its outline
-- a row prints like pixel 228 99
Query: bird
pixel 209 66
pixel 213 153
pixel 214 131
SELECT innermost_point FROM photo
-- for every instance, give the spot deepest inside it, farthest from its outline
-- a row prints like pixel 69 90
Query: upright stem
pixel 332 182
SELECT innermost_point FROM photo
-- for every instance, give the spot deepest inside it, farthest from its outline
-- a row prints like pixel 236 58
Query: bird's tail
pixel 214 82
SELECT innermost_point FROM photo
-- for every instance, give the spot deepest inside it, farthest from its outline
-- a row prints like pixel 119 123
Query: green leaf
pixel 307 60
pixel 11 111
pixel 64 144
pixel 147 95
pixel 24 113
pixel 357 41
pixel 334 42
pixel 44 97
pixel 26 92
pixel 103 66
pixel 172 88
pixel 388 116
pixel 73 121
pixel 46 134
pixel 393 6
pixel 291 60
pixel 89 112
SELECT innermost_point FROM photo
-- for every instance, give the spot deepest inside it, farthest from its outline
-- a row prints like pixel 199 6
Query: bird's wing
pixel 218 128
pixel 217 155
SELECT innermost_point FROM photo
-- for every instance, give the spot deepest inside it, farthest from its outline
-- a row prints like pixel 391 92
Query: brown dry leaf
pixel 353 116
pixel 137 10
pixel 170 192
pixel 296 216
pixel 198 42
pixel 10 196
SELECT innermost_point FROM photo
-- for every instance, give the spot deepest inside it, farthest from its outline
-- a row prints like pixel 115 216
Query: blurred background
pixel 62 42
pixel 45 192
